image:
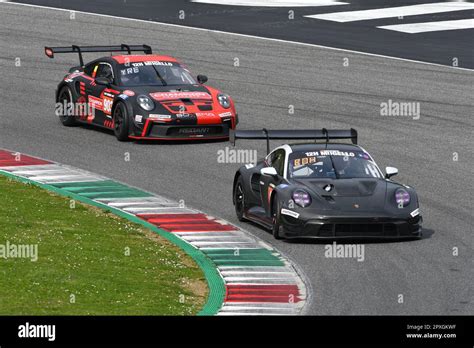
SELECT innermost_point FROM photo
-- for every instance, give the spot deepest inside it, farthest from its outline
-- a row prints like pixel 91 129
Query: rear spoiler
pixel 50 51
pixel 307 134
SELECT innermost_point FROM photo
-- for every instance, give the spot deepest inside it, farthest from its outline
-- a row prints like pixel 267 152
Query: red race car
pixel 144 96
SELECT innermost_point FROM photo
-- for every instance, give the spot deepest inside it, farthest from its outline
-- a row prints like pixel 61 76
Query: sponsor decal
pixel 123 96
pixel 203 130
pixel 304 161
pixel 328 187
pixel 162 96
pixel 415 212
pixel 129 93
pixel 129 71
pixel 205 114
pixel 226 114
pixel 107 105
pixel 139 118
pixel 330 153
pixel 159 117
pixel 96 103
pixel 148 63
pixel 290 213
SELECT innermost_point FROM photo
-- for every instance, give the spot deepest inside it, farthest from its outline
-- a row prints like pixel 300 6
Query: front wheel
pixel 121 122
pixel 65 99
pixel 276 218
pixel 239 199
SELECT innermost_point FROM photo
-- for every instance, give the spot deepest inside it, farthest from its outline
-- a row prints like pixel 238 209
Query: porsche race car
pixel 143 96
pixel 327 190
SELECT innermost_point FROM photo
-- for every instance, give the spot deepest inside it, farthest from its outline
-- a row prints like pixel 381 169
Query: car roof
pixel 324 146
pixel 135 58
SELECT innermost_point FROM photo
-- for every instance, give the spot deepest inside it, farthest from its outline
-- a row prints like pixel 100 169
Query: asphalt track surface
pixel 272 76
pixel 437 47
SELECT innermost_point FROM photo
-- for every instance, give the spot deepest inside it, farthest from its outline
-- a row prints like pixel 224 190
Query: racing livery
pixel 323 190
pixel 144 96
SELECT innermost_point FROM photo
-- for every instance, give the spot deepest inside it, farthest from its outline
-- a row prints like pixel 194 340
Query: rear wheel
pixel 276 218
pixel 65 99
pixel 121 122
pixel 239 199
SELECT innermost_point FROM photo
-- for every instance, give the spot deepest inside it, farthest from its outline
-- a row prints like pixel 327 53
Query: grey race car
pixel 323 190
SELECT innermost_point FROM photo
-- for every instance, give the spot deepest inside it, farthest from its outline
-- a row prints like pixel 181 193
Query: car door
pixel 268 183
pixel 100 100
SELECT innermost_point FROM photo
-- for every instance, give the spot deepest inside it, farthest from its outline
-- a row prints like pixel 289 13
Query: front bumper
pixel 325 227
pixel 159 131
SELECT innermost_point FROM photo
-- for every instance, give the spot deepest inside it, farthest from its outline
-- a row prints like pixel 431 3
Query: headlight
pixel 224 100
pixel 302 198
pixel 145 102
pixel 402 197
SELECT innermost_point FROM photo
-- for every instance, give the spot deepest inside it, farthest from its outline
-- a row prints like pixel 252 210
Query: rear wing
pixel 51 51
pixel 306 134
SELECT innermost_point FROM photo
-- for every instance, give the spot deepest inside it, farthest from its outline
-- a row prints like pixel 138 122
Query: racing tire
pixel 65 97
pixel 121 122
pixel 276 218
pixel 239 199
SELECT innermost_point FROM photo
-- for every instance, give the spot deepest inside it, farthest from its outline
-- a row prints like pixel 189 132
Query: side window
pixel 104 70
pixel 278 161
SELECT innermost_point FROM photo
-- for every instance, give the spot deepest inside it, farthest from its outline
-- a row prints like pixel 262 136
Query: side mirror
pixel 390 171
pixel 270 171
pixel 202 79
pixel 104 81
pixel 75 69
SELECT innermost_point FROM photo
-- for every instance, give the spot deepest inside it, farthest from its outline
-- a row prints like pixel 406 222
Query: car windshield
pixel 155 73
pixel 332 164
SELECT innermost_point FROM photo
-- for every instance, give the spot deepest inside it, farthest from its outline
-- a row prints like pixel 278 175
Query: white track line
pixel 415 28
pixel 245 35
pixel 14 169
pixel 389 12
pixel 272 3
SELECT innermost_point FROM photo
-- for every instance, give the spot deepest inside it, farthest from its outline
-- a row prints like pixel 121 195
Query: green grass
pixel 82 252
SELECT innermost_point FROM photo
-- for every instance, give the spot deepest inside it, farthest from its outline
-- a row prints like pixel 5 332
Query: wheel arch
pixel 129 108
pixel 237 175
pixel 61 85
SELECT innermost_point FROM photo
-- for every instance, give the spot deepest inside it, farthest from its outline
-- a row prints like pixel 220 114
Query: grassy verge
pixel 90 262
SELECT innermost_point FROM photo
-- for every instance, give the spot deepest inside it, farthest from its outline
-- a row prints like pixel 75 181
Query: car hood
pixel 175 93
pixel 346 187
pixel 351 195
